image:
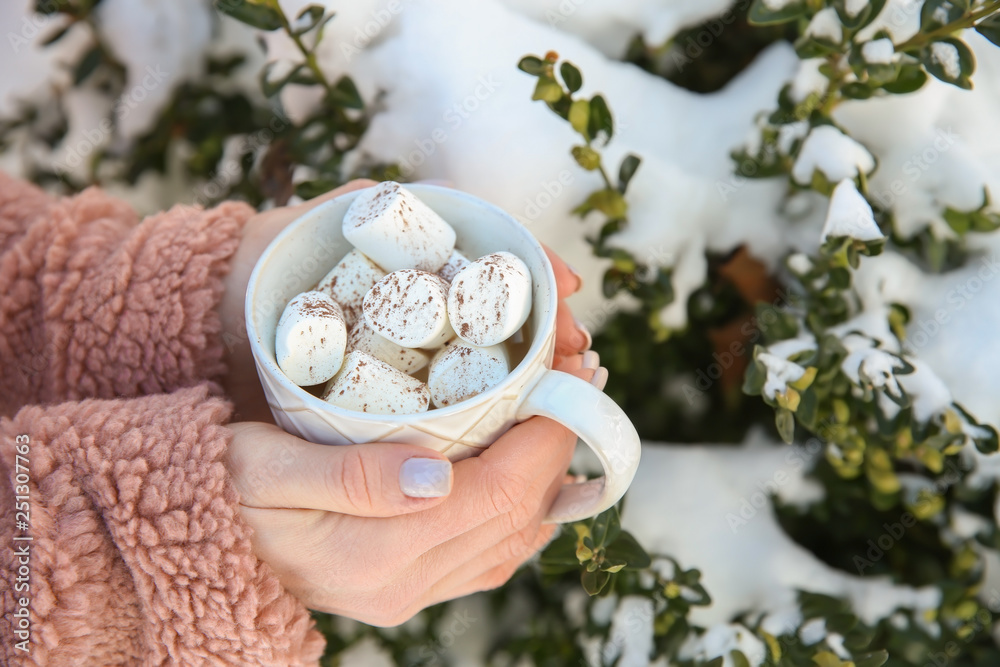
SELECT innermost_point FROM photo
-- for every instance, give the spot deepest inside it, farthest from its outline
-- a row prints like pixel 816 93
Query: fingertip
pixel 568 281
pixel 424 477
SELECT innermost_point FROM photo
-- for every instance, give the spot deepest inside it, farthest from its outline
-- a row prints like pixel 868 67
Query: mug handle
pixel 599 422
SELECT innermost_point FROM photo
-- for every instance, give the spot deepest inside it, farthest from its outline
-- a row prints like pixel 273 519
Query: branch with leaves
pixel 591 118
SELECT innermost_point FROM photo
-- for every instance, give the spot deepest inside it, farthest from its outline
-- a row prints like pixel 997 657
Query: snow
pixel 873 367
pixel 850 214
pixel 610 24
pixel 716 500
pixel 630 641
pixel 950 317
pixel 167 38
pixel 808 80
pixel 854 7
pixel 779 373
pixel 365 653
pixel 946 55
pixel 792 346
pixel 929 394
pixel 833 153
pixel 813 631
pixel 825 26
pixel 900 18
pixel 878 51
pixel 800 263
pixel 791 132
pixel 720 640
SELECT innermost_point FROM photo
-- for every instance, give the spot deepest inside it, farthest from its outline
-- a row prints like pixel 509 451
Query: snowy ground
pixel 451 105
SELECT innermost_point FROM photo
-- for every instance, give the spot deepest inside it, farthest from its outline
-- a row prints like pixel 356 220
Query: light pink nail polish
pixel 586 333
pixel 576 274
pixel 600 378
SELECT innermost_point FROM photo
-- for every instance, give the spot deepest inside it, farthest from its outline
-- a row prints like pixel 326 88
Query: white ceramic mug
pixel 311 245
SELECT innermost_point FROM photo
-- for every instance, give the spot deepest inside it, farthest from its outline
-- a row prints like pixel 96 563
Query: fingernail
pixel 591 360
pixel 425 478
pixel 582 328
pixel 576 274
pixel 600 378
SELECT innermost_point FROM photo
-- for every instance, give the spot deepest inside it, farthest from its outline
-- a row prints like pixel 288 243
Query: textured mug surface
pixel 310 246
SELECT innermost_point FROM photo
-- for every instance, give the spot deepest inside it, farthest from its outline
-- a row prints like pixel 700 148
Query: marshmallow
pixel 410 308
pixel 461 371
pixel 490 299
pixel 397 230
pixel 456 262
pixel 310 339
pixel 366 384
pixel 364 339
pixel 348 283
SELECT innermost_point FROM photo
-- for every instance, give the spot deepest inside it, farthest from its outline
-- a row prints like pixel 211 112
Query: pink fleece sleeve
pixel 138 554
pixel 97 304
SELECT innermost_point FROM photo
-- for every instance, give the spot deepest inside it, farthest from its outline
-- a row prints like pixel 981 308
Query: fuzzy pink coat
pixel 109 361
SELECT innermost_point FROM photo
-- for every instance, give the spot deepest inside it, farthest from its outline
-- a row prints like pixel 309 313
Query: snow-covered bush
pixel 807 253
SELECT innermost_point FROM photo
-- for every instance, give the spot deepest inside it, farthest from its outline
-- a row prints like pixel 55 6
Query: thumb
pixel 272 469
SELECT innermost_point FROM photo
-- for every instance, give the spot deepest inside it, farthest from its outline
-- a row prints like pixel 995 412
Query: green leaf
pixel 911 78
pixel 739 660
pixel 87 65
pixel 936 14
pixel 613 566
pixel 606 528
pixel 58 34
pixel 990 28
pixel 579 117
pixel 594 582
pixel 571 76
pixel 600 118
pixel 609 202
pixel 313 15
pixel 881 74
pixel 753 381
pixel 586 157
pixel 785 421
pixel 299 74
pixel 945 71
pixel 310 189
pixel 865 16
pixel 808 46
pixel 627 548
pixel 258 15
pixel 856 91
pixel 547 89
pixel 533 65
pixel 560 555
pixel 761 14
pixel 959 221
pixel 827 659
pixel 346 94
pixel 627 170
pixel 876 659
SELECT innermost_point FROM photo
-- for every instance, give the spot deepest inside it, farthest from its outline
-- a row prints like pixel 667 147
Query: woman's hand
pixel 379 531
pixel 241 382
pixel 338 528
